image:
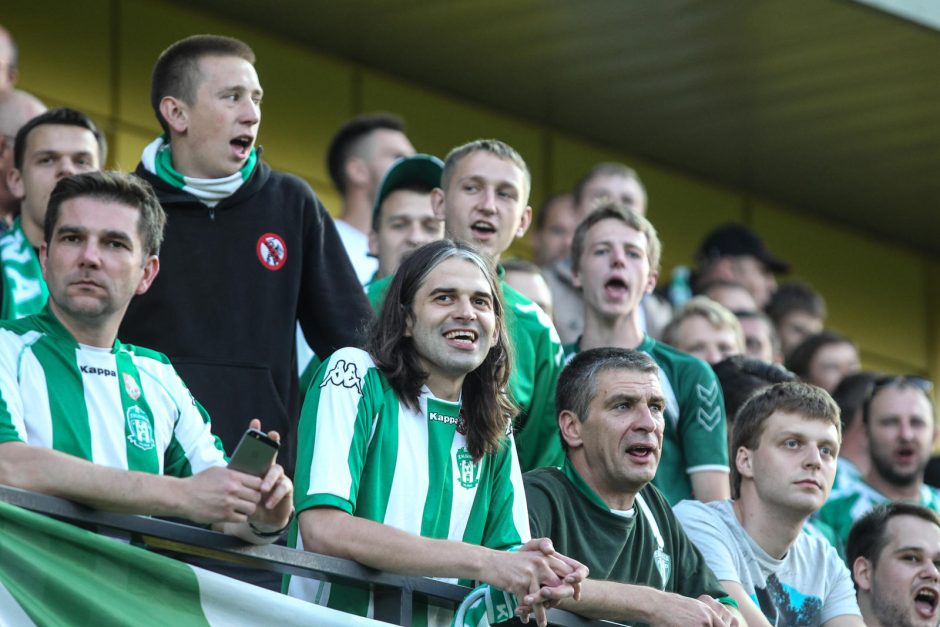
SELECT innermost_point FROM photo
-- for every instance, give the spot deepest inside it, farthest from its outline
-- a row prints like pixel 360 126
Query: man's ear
pixel 576 279
pixel 862 573
pixel 43 256
pixel 524 222
pixel 570 426
pixel 437 203
pixel 743 460
pixel 409 324
pixel 15 183
pixel 724 268
pixel 373 244
pixel 151 270
pixel 357 172
pixel 651 282
pixel 175 113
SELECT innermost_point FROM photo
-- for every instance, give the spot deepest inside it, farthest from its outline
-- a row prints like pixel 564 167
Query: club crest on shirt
pixel 272 251
pixel 131 386
pixel 468 471
pixel 345 375
pixel 663 564
pixel 139 429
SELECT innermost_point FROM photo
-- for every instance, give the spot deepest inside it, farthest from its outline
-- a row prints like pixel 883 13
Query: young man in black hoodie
pixel 248 252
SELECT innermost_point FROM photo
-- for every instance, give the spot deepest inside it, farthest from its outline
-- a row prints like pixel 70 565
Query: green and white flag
pixel 52 573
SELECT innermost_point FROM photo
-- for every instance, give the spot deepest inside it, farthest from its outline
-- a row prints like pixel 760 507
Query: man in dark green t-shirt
pixel 600 508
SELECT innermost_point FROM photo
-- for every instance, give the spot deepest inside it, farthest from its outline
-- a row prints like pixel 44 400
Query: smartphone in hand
pixel 254 454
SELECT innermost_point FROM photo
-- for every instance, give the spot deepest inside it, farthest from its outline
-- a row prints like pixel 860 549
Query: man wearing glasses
pixel 898 416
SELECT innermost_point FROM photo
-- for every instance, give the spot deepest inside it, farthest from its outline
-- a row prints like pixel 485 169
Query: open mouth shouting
pixel 905 455
pixel 925 602
pixel 641 452
pixel 615 288
pixel 483 230
pixel 241 146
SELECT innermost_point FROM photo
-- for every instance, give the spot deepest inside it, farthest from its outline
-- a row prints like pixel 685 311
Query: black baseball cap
pixel 738 240
pixel 418 169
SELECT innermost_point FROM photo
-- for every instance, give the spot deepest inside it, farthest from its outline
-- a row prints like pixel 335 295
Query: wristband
pixel 271 534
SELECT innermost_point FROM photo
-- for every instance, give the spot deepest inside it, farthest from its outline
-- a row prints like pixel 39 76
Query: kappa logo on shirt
pixel 272 251
pixel 434 416
pixel 105 372
pixel 345 375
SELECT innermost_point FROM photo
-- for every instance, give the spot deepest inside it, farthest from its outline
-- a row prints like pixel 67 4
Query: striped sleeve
pixel 508 522
pixel 335 426
pixel 12 424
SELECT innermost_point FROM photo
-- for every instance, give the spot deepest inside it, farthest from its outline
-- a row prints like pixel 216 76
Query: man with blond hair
pixel 484 201
pixel 705 329
pixel 615 259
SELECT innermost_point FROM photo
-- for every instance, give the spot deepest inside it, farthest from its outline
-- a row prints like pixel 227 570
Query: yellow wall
pixel 97 56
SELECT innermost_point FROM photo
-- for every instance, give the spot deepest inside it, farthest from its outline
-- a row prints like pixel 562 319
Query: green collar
pixel 645 346
pixel 49 324
pixel 166 171
pixel 569 471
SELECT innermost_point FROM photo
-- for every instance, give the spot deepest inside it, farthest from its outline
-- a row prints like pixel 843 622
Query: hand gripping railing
pixel 394 594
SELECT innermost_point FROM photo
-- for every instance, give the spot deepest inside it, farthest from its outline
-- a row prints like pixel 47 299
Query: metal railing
pixel 394 594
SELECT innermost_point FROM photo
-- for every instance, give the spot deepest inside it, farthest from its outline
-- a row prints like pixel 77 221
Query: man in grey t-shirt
pixel 785 442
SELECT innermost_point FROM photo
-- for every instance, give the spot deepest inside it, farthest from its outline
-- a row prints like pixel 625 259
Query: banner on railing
pixel 53 573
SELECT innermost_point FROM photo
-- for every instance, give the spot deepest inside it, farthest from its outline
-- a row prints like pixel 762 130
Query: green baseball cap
pixel 418 169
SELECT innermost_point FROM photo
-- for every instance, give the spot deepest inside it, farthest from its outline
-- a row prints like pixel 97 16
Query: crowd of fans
pixel 572 432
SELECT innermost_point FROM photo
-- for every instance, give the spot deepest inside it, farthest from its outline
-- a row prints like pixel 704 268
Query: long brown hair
pixel 487 409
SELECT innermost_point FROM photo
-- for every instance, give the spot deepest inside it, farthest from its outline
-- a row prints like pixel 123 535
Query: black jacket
pixel 233 282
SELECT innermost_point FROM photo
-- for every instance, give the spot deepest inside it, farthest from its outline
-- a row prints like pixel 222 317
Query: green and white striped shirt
pixel 364 452
pixel 123 407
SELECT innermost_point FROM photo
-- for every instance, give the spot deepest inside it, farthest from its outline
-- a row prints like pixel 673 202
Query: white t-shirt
pixel 809 586
pixel 357 247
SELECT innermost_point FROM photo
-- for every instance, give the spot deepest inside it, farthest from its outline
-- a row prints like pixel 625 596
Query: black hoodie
pixel 234 280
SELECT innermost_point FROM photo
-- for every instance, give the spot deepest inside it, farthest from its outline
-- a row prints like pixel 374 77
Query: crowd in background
pixel 258 288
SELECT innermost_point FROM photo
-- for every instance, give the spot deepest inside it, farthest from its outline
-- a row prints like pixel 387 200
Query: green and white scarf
pixel 24 289
pixel 157 160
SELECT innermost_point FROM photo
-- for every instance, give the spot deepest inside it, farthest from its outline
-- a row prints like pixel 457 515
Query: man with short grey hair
pixel 601 509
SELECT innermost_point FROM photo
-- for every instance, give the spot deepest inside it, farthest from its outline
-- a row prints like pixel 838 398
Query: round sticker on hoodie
pixel 272 251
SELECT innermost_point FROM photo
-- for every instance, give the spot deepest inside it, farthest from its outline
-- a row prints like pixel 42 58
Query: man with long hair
pixel 484 201
pixel 406 460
